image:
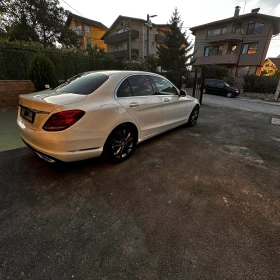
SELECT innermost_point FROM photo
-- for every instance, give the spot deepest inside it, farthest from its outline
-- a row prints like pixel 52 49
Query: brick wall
pixel 10 91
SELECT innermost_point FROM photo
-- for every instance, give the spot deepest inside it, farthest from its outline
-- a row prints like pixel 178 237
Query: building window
pixel 254 27
pixel 119 47
pixel 243 71
pixel 79 30
pixel 237 28
pixel 87 28
pixel 232 49
pixel 213 50
pixel 88 41
pixel 216 32
pixel 250 48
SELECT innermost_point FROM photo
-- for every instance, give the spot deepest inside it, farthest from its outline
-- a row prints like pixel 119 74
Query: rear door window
pixel 220 84
pixel 140 85
pixel 85 83
pixel 211 83
pixel 124 89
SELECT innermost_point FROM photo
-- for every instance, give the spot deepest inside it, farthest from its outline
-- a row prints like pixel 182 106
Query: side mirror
pixel 182 93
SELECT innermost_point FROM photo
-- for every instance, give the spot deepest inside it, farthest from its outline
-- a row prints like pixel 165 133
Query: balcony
pixel 121 37
pixel 227 37
pixel 124 53
pixel 217 59
pixel 159 38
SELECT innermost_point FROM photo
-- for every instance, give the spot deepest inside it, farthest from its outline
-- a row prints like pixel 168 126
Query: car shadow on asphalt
pixel 29 157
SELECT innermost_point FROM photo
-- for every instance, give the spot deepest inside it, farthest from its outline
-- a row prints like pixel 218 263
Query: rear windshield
pixel 85 83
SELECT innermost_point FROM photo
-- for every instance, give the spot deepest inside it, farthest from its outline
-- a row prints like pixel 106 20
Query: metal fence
pixel 193 82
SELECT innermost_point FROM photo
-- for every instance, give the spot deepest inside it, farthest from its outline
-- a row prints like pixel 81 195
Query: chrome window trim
pixel 144 74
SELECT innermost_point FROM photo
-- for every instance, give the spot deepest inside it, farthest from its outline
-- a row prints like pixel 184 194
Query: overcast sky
pixel 192 12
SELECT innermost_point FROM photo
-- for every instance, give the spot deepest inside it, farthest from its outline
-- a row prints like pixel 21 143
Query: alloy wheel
pixel 122 143
pixel 194 117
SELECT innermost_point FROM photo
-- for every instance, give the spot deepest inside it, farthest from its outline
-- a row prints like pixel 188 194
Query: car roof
pixel 214 80
pixel 113 72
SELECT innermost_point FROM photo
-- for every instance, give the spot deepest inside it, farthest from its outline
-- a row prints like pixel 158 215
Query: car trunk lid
pixel 35 108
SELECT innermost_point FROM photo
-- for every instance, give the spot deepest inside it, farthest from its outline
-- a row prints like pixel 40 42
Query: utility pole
pixel 129 39
pixel 149 25
pixel 148 33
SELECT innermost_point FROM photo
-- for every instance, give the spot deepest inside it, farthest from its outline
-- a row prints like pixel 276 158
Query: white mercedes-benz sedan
pixel 102 111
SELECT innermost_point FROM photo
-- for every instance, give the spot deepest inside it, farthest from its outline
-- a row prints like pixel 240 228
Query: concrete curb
pixel 260 101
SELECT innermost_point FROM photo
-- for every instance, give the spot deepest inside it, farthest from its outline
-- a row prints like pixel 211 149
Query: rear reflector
pixel 63 120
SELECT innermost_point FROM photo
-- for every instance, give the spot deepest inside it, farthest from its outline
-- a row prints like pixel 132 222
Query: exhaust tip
pixel 46 158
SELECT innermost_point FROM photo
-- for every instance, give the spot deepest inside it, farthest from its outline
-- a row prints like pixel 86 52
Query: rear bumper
pixel 56 148
pixel 64 156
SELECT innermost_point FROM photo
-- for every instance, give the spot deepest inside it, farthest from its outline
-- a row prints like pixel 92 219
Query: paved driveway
pixel 194 203
pixel 240 103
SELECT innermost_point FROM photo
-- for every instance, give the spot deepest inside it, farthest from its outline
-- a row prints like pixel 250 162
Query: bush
pixel 135 65
pixel 42 72
pixel 260 84
pixel 148 64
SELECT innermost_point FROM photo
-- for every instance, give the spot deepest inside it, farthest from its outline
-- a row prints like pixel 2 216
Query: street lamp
pixel 149 25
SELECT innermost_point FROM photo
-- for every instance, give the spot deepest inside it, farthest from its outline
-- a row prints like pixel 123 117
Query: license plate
pixel 27 114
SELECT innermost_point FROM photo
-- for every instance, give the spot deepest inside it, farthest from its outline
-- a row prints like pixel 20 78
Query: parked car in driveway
pixel 220 87
pixel 103 111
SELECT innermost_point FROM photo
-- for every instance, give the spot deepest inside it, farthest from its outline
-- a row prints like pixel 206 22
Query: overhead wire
pixel 72 8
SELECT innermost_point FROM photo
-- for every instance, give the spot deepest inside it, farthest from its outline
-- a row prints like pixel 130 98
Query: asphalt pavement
pixel 250 105
pixel 193 203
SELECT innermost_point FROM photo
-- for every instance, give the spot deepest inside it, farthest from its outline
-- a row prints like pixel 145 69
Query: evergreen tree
pixel 176 51
pixel 36 20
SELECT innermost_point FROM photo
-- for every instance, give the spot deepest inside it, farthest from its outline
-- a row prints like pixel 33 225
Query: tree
pixel 95 51
pixel 175 53
pixel 98 53
pixel 36 20
pixel 42 72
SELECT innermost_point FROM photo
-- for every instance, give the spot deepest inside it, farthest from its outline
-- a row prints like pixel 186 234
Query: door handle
pixel 166 100
pixel 133 105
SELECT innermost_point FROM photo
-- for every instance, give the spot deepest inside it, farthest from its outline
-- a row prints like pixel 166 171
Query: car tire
pixel 229 94
pixel 120 144
pixel 193 116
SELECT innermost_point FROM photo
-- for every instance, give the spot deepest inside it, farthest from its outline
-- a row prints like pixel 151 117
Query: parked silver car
pixel 103 111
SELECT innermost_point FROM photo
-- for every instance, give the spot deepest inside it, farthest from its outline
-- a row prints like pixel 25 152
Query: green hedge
pixel 260 84
pixel 15 60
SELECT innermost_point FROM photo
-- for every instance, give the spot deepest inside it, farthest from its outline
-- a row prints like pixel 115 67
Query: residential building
pixel 89 31
pixel 271 65
pixel 239 43
pixel 125 29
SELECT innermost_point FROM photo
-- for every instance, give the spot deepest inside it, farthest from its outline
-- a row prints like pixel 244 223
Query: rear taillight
pixel 62 120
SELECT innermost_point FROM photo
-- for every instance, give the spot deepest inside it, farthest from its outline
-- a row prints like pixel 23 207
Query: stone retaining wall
pixel 10 91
